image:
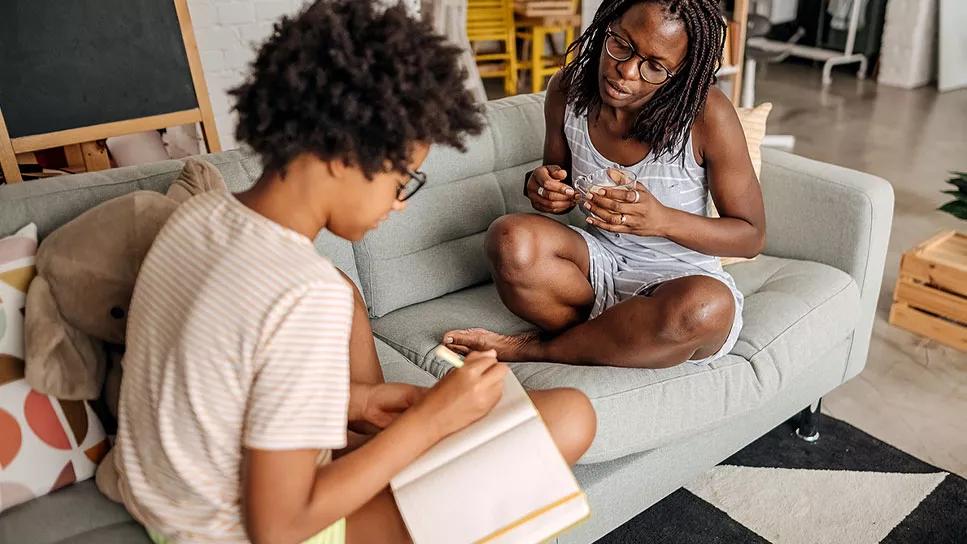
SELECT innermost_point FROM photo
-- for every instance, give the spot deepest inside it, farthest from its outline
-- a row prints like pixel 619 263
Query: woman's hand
pixel 547 191
pixel 622 211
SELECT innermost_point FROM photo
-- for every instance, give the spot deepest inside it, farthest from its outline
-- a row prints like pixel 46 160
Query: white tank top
pixel 683 187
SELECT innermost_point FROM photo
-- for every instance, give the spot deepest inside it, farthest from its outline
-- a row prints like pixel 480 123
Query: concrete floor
pixel 913 392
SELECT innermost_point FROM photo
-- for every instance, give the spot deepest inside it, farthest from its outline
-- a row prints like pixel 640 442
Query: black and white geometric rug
pixel 847 488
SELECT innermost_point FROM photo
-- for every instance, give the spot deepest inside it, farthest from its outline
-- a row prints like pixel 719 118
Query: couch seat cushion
pixel 794 312
pixel 397 368
pixel 75 514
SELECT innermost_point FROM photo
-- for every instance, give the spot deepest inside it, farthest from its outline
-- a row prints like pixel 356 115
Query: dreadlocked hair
pixel 666 119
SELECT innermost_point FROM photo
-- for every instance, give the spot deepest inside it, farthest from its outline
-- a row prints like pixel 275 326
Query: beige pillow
pixel 754 126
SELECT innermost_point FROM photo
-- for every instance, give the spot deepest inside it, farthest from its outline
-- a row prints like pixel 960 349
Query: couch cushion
pixel 78 513
pixel 397 368
pixel 52 202
pixel 794 312
pixel 436 246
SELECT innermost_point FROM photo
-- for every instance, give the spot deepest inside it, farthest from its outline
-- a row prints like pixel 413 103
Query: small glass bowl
pixel 610 178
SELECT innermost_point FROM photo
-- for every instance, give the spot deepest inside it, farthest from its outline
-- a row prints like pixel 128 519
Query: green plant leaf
pixel 956 208
pixel 960 184
pixel 959 195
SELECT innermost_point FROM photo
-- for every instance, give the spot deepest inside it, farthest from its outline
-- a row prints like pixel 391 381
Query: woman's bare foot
pixel 509 348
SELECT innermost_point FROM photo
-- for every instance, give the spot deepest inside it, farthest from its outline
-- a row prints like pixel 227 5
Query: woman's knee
pixel 512 245
pixel 698 315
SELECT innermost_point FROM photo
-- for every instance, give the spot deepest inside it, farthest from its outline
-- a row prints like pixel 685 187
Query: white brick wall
pixel 227 32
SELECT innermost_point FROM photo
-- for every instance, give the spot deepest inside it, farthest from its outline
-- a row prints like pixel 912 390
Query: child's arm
pixel 288 498
pixel 373 407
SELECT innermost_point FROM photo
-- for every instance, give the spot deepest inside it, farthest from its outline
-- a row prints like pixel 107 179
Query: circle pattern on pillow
pixel 45 443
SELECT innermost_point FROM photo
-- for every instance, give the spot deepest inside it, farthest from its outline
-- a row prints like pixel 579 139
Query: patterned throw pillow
pixel 753 122
pixel 45 444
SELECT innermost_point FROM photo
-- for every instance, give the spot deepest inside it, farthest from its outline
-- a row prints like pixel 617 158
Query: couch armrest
pixel 832 215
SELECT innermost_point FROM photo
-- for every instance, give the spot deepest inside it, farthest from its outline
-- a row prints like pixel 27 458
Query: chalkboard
pixel 67 64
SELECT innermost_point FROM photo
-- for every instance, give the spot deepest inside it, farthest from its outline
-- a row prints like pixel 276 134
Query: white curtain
pixel 449 18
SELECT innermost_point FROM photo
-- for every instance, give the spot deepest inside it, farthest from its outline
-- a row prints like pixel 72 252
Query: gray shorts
pixel 615 279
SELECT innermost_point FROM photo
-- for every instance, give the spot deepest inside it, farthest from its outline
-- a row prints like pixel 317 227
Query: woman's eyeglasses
pixel 622 50
pixel 411 186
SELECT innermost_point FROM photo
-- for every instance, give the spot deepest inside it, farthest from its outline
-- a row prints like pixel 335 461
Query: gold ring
pixel 622 219
pixel 637 197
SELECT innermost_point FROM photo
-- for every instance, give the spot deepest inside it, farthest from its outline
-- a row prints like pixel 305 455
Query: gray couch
pixel 810 302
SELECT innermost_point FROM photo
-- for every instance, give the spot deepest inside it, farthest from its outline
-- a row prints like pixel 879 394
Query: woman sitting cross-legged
pixel 642 285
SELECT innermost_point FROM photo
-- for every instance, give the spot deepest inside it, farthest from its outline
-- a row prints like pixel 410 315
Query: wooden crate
pixel 931 293
pixel 542 8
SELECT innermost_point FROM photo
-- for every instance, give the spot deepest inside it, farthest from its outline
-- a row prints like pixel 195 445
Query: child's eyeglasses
pixel 411 186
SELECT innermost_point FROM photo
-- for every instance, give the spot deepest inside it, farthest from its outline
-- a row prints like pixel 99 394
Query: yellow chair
pixel 536 29
pixel 493 21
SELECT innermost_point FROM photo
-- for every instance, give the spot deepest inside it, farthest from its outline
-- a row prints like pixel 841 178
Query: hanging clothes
pixel 841 10
pixel 449 19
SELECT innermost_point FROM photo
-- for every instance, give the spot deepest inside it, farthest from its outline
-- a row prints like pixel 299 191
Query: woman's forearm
pixel 721 237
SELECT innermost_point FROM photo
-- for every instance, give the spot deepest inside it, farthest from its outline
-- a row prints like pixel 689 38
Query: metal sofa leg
pixel 809 420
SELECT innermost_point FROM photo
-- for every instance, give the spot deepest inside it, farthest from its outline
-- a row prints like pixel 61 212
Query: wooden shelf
pixel 738 24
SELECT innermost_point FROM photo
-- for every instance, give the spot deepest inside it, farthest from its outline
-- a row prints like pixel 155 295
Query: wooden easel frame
pixel 9 147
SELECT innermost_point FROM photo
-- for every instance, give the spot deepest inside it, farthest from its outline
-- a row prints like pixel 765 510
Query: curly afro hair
pixel 346 80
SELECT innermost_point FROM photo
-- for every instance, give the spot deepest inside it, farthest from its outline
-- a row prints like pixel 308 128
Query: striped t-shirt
pixel 238 335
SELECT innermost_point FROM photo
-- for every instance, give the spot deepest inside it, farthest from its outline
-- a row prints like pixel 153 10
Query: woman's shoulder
pixel 716 119
pixel 558 83
pixel 555 100
pixel 718 110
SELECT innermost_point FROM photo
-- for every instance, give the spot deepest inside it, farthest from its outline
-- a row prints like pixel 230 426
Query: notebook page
pixel 514 408
pixel 507 487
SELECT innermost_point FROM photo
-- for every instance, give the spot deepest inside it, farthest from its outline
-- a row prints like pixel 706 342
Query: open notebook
pixel 501 479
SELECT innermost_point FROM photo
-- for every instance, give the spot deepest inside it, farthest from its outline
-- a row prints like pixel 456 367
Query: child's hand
pixel 386 401
pixel 466 394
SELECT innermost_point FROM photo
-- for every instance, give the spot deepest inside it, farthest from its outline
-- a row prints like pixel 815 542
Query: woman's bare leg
pixel 540 268
pixel 683 319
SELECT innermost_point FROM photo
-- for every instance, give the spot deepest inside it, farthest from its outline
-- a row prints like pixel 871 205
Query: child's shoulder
pixel 317 272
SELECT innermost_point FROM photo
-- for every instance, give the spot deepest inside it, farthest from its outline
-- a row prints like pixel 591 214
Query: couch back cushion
pixel 51 202
pixel 435 246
